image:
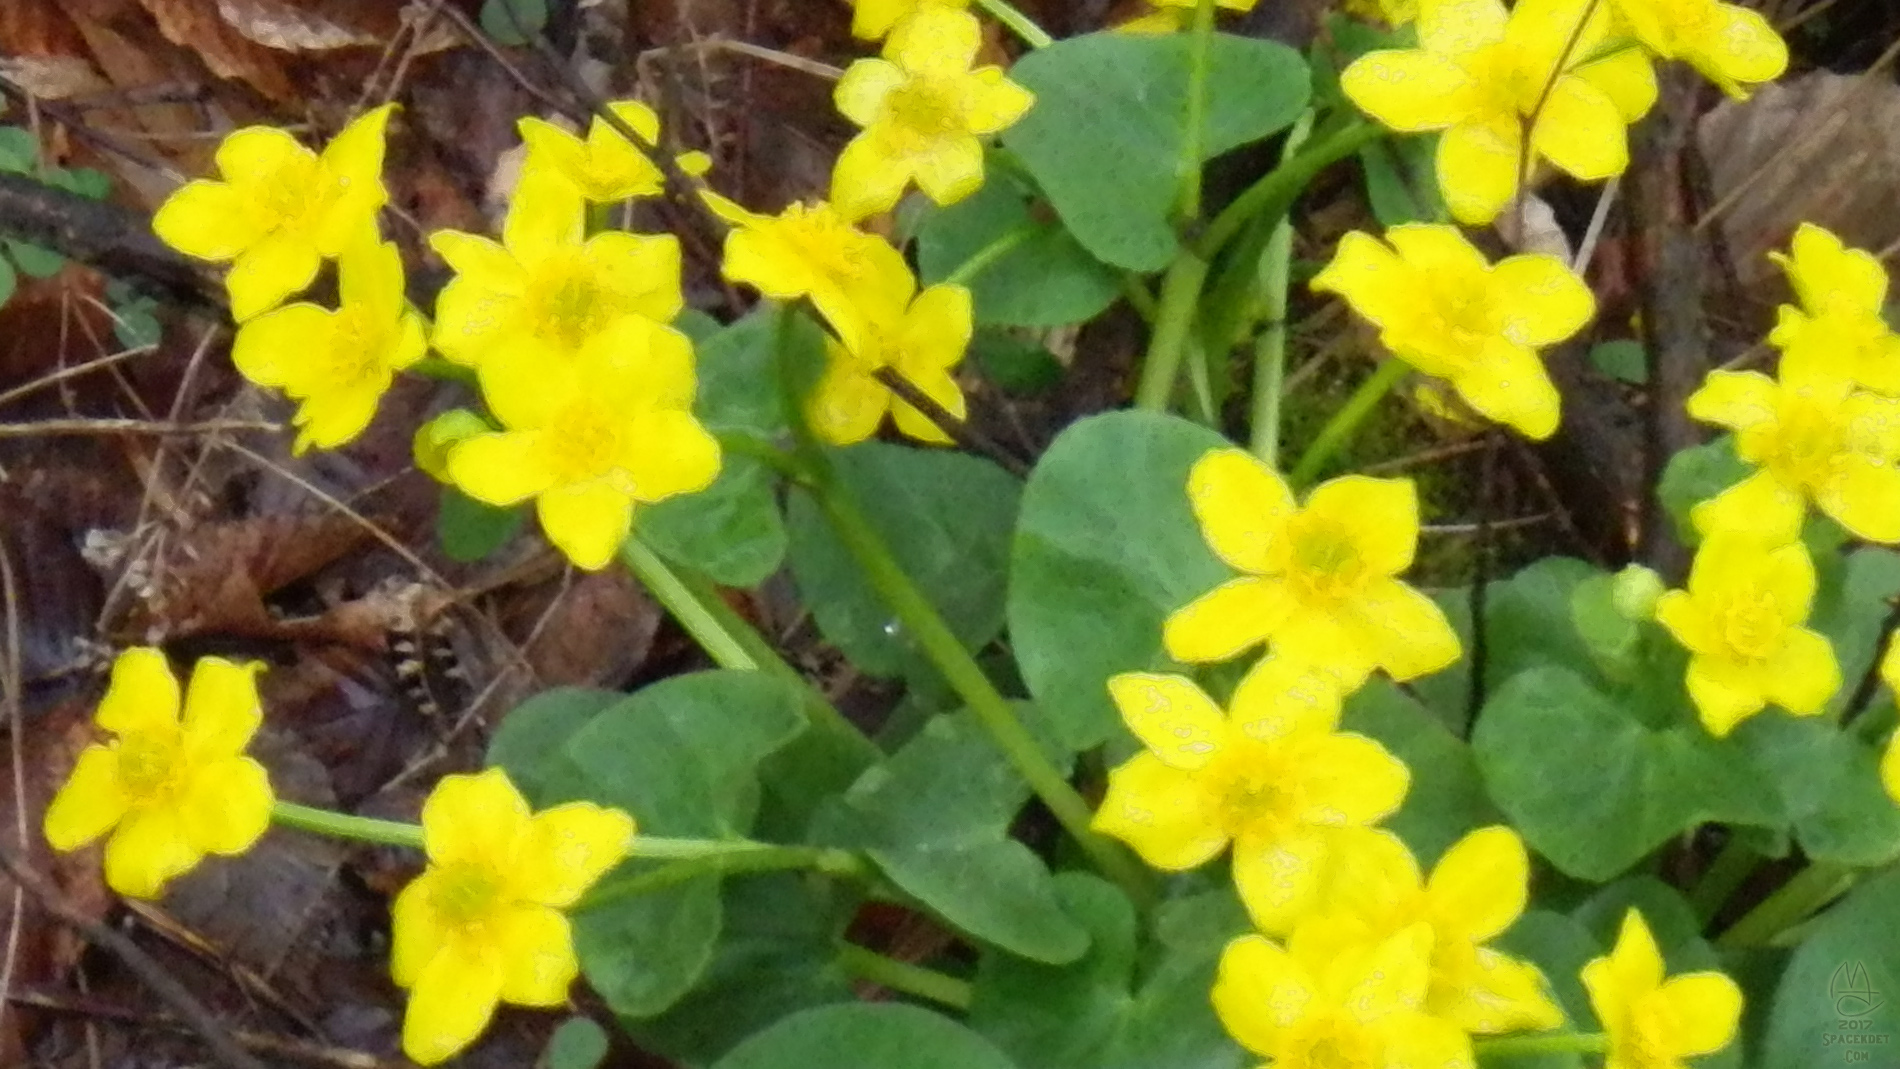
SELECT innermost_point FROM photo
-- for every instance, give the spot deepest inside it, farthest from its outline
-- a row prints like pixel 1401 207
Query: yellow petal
pixel 1412 1038
pixel 1477 169
pixel 222 710
pixel 1734 399
pixel 1350 780
pixel 289 348
pixel 1454 27
pixel 567 848
pixel 355 156
pixel 1227 619
pixel 1540 300
pixel 148 850
pixel 1171 716
pixel 142 696
pixel 1761 506
pixel 642 271
pixel 1803 675
pixel 210 220
pixel 89 803
pixel 1739 47
pixel 473 818
pixel 1369 872
pixel 479 260
pixel 1627 77
pixel 847 403
pixel 1864 497
pixel 1635 960
pixel 1890 768
pixel 1708 1007
pixel 263 156
pixel 1409 90
pixel 553 147
pixel 1509 384
pixel 1725 693
pixel 270 271
pixel 1242 506
pixel 951 170
pixel 866 84
pixel 868 178
pixel 501 469
pixel 1165 814
pixel 588 522
pixel 640 364
pixel 1279 878
pixel 1688 622
pixel 417 930
pixel 536 947
pixel 938 385
pixel 1581 132
pixel 369 275
pixel 332 418
pixel 1479 886
pixel 454 998
pixel 227 806
pixel 1280 697
pixel 1261 993
pixel 1785 574
pixel 936 40
pixel 1485 992
pixel 993 102
pixel 1376 281
pixel 1392 978
pixel 1377 517
pixel 1330 640
pixel 1401 630
pixel 1829 276
pixel 935 332
pixel 546 214
pixel 670 453
pixel 530 383
pixel 1442 254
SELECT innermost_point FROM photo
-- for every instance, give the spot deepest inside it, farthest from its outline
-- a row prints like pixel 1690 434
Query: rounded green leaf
pixel 1046 278
pixel 469 530
pixel 731 531
pixel 578 1044
pixel 1839 999
pixel 886 1035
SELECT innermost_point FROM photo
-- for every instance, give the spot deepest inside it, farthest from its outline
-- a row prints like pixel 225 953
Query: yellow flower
pixel 1813 437
pixel 169 789
pixel 1480 73
pixel 1655 1023
pixel 1273 777
pixel 540 294
pixel 1741 622
pixel 1320 583
pixel 1731 45
pixel 809 250
pixel 873 19
pixel 922 343
pixel 434 439
pixel 1440 308
pixel 589 438
pixel 1839 324
pixel 605 167
pixel 923 110
pixel 483 924
pixel 1305 1007
pixel 1474 894
pixel 280 210
pixel 338 364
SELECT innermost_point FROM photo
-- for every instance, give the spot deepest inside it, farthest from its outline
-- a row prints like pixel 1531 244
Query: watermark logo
pixel 1853 998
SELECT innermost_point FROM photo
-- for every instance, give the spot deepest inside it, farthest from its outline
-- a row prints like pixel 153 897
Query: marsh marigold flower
pixel 1320 582
pixel 590 438
pixel 1731 45
pixel 1273 777
pixel 1652 1022
pixel 1307 1006
pixel 1839 324
pixel 483 924
pixel 1812 436
pixel 1442 309
pixel 280 210
pixel 810 250
pixel 170 789
pixel 605 167
pixel 921 342
pixel 1475 893
pixel 337 364
pixel 873 19
pixel 1479 73
pixel 546 289
pixel 1741 621
pixel 924 111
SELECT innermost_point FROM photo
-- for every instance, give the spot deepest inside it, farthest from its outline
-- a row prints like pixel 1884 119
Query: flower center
pixel 566 301
pixel 356 351
pixel 583 443
pixel 924 111
pixel 1257 787
pixel 468 894
pixel 1335 1042
pixel 1653 1028
pixel 149 763
pixel 1325 561
pixel 824 242
pixel 1808 440
pixel 1752 625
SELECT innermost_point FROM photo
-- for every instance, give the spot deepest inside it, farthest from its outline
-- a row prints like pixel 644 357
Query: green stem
pixel 1019 24
pixel 986 257
pixel 1194 132
pixel 1809 890
pixel 1732 865
pixel 1549 1043
pixel 718 859
pixel 1269 349
pixel 1135 291
pixel 344 826
pixel 1174 320
pixel 1273 194
pixel 1345 422
pixel 902 976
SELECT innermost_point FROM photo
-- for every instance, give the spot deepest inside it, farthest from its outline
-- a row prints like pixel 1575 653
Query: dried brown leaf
pixel 215 577
pixel 198 26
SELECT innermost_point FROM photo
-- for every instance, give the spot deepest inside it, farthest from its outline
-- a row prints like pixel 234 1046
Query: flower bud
pixel 1635 592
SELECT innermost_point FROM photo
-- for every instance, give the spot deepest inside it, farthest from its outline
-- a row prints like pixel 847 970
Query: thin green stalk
pixel 1809 890
pixel 344 826
pixel 1135 291
pixel 1558 1043
pixel 1269 349
pixel 1194 130
pixel 1732 865
pixel 1274 192
pixel 927 984
pixel 732 858
pixel 1345 422
pixel 1174 321
pixel 1019 24
pixel 986 257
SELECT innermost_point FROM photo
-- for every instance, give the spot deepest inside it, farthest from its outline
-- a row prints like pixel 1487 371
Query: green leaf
pixel 578 1043
pixel 514 22
pixel 946 518
pixel 1839 998
pixel 136 323
pixel 1402 180
pixel 1559 946
pixel 1447 797
pixel 935 818
pixel 1621 788
pixel 731 531
pixel 1171 1021
pixel 1850 606
pixel 528 743
pixel 470 530
pixel 887 1035
pixel 738 377
pixel 1623 359
pixel 1104 139
pixel 34 261
pixel 18 150
pixel 9 281
pixel 1829 781
pixel 1047 280
pixel 1694 475
pixel 1018 365
pixel 1106 548
pixel 84 181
